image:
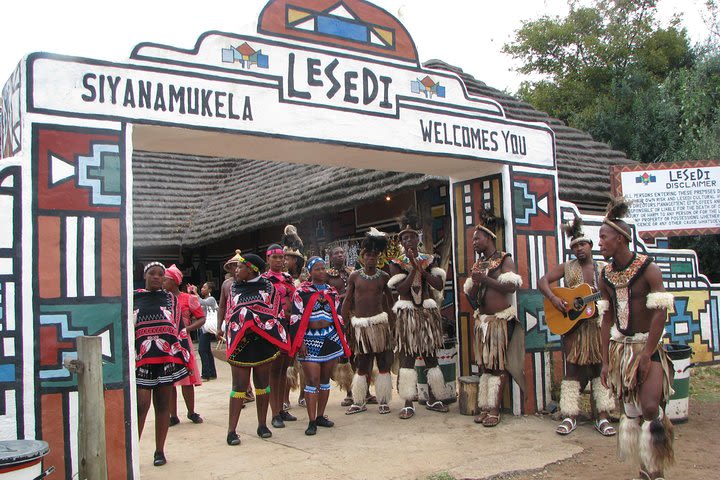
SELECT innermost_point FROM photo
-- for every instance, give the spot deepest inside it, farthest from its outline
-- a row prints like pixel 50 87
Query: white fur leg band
pixel 570 398
pixel 604 402
pixel 482 400
pixel 493 391
pixel 359 389
pixel 510 278
pixel 628 436
pixel 437 384
pixel 383 388
pixel 407 383
pixel 660 300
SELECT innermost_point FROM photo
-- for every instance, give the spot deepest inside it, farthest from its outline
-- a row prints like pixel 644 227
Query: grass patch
pixel 440 476
pixel 705 383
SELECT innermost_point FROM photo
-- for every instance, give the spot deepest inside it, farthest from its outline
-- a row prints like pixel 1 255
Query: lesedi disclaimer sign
pixel 671 198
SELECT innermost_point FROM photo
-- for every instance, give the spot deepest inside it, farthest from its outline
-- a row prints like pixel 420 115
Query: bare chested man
pixel 634 366
pixel 581 346
pixel 368 304
pixel 418 324
pixel 498 334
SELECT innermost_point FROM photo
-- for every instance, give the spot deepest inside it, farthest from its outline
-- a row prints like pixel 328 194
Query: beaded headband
pixel 153 264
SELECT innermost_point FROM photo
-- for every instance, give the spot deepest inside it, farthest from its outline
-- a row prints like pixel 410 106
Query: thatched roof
pixel 582 163
pixel 192 200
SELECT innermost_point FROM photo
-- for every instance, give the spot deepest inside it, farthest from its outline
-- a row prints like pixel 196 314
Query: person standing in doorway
pixel 193 318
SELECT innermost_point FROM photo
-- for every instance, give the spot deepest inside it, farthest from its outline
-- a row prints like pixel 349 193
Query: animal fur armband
pixel 395 279
pixel 439 272
pixel 660 300
pixel 510 278
pixel 602 307
pixel 468 286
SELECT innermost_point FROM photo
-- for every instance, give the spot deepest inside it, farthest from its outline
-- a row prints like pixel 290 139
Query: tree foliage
pixel 611 69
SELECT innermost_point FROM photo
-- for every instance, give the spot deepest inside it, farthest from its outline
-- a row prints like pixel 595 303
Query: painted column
pixel 526 200
pixel 64 249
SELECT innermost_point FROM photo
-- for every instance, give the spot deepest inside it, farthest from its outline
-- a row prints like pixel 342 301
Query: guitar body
pixel 581 305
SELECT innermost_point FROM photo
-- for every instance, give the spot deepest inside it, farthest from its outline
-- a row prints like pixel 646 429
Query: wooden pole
pixel 92 454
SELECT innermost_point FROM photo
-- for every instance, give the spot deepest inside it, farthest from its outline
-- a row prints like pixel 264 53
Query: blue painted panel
pixel 341 28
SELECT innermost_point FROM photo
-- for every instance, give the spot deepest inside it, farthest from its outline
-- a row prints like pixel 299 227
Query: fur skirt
pixel 623 367
pixel 418 329
pixel 371 334
pixel 582 345
pixel 491 339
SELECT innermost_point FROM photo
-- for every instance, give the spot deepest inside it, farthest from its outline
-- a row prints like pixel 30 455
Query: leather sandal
pixel 407 412
pixel 603 426
pixel 566 427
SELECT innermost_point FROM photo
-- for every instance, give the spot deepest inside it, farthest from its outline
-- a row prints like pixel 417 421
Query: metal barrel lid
pixel 19 451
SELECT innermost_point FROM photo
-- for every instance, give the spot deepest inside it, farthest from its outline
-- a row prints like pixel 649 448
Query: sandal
pixel 174 420
pixel 263 432
pixel 159 459
pixel 233 439
pixel 347 401
pixel 355 409
pixel 371 400
pixel 195 417
pixel 437 406
pixel 481 417
pixel 567 426
pixel 407 412
pixel 301 402
pixel 491 420
pixel 324 421
pixel 383 409
pixel 603 426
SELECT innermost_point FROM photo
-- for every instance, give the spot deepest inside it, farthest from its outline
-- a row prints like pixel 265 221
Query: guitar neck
pixel 592 298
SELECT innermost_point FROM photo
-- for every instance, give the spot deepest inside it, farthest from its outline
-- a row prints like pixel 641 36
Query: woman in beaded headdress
pixel 418 328
pixel 160 358
pixel 255 337
pixel 284 284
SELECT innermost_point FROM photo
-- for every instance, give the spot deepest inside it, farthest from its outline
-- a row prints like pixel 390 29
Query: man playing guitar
pixel 581 345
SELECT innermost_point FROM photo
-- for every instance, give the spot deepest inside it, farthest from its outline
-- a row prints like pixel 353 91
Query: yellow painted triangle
pixel 295 15
pixel 385 34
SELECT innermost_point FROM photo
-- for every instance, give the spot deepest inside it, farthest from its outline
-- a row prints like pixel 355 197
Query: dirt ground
pixel 430 446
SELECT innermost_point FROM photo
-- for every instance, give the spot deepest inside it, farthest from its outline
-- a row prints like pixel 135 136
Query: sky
pixel 466 33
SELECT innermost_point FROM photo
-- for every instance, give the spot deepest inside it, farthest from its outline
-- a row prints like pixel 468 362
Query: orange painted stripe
pixel 521 259
pixel 49 250
pixel 529 384
pixel 115 434
pixel 110 257
pixel 53 419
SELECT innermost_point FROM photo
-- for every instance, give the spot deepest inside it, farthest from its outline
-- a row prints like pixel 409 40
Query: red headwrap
pixel 174 274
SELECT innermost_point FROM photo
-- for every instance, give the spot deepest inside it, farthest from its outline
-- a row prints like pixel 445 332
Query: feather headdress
pixel 374 241
pixel 574 231
pixel 291 241
pixel 618 209
pixel 487 223
pixel 410 222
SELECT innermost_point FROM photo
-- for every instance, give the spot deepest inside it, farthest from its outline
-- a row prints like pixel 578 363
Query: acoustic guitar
pixel 581 305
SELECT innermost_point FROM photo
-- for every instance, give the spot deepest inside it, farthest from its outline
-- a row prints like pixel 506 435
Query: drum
pixel 22 459
pixel 468 398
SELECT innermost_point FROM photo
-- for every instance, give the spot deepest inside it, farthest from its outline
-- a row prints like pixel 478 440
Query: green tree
pixel 610 69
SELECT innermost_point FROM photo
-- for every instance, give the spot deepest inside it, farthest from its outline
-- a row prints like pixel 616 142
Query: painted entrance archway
pixel 323 82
